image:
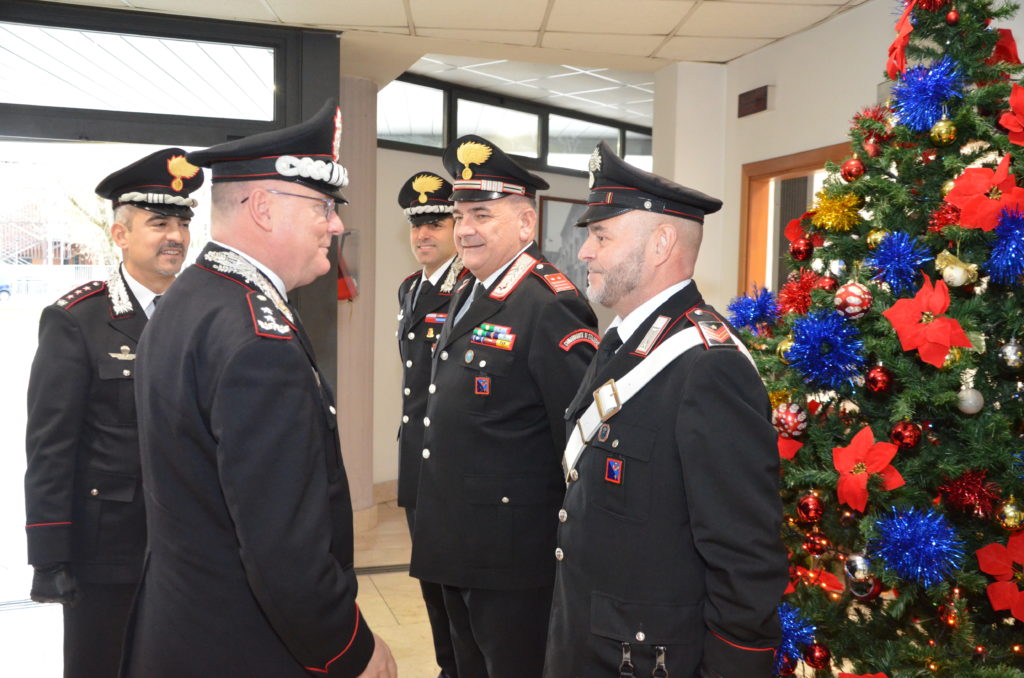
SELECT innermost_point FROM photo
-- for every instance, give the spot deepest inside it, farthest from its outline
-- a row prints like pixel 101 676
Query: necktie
pixel 477 290
pixel 424 289
pixel 156 299
pixel 610 343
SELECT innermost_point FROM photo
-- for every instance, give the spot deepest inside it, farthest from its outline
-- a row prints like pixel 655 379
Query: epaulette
pixel 713 330
pixel 515 274
pixel 82 292
pixel 267 321
pixel 457 271
pixel 553 278
pixel 411 275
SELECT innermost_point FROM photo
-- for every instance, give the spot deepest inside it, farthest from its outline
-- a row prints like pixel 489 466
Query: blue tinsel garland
pixel 1006 260
pixel 796 631
pixel 826 349
pixel 898 258
pixel 920 94
pixel 918 545
pixel 751 311
pixel 1018 464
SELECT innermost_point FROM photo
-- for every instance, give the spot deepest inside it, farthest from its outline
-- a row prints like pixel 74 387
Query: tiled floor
pixel 391 601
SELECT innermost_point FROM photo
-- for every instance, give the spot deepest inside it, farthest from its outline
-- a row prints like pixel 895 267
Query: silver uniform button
pixel 432 389
pixel 483 363
pixel 574 475
pixel 407 391
pixel 411 335
pixel 444 355
pixel 641 636
pixel 504 500
pixel 333 409
pixel 405 418
pixel 408 363
pixel 426 453
pixel 127 373
pixel 615 443
pixel 563 515
pixel 426 421
pixel 559 554
pixel 94 492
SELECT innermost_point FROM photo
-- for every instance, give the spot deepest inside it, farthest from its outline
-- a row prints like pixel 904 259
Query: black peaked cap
pixel 161 182
pixel 424 198
pixel 616 187
pixel 306 153
pixel 482 171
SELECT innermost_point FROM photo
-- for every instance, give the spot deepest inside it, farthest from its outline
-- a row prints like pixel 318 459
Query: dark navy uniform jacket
pixel 419 328
pixel 669 534
pixel 490 481
pixel 249 566
pixel 82 486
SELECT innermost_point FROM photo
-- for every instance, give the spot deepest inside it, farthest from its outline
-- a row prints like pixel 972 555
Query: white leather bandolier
pixel 613 394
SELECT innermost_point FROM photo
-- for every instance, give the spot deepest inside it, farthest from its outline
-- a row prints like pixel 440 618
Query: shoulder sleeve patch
pixel 558 282
pixel 267 321
pixel 582 335
pixel 82 292
pixel 713 330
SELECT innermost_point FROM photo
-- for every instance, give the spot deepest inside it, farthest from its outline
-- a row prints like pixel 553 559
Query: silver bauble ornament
pixel 970 400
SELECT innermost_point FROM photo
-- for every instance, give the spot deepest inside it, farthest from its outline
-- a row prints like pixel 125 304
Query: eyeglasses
pixel 329 203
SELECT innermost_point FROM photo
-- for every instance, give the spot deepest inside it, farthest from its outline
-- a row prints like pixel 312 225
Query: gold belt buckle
pixel 607 412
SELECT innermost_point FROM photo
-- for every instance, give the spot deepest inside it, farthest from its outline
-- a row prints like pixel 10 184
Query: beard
pixel 619 280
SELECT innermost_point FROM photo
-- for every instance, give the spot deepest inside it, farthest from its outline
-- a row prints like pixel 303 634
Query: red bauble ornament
pixel 809 508
pixel 852 169
pixel 788 665
pixel 865 590
pixel 817 656
pixel 952 17
pixel 801 249
pixel 872 149
pixel 972 493
pixel 928 155
pixel 827 283
pixel 878 379
pixel 906 434
pixel 790 420
pixel 853 300
pixel 816 543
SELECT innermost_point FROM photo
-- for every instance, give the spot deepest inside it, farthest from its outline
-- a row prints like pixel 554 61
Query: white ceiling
pixel 519 48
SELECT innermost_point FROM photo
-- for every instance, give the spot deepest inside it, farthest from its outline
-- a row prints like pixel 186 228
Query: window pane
pixel 69 68
pixel 571 141
pixel 514 131
pixel 413 114
pixel 638 150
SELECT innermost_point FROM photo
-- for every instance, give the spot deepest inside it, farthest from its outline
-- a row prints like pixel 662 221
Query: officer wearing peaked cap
pixel 86 522
pixel 669 559
pixel 515 343
pixel 249 566
pixel 423 300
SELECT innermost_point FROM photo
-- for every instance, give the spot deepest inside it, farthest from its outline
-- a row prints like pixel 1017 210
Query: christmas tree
pixel 893 357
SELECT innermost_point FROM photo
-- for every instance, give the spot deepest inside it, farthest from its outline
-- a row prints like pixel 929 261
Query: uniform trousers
pixel 94 630
pixel 499 634
pixel 433 599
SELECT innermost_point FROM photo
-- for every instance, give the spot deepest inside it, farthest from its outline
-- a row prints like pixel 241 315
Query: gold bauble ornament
pixel 947 186
pixel 943 133
pixel 783 348
pixel 776 398
pixel 952 358
pixel 876 236
pixel 1010 515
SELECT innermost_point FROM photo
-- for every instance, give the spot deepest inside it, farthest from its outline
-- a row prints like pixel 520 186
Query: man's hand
pixel 55 584
pixel 382 664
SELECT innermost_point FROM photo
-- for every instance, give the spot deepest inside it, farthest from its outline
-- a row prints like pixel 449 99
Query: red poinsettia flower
pixel 1014 120
pixel 857 461
pixel 981 194
pixel 788 448
pixel 919 326
pixel 997 560
pixel 795 230
pixel 820 578
pixel 1005 49
pixel 897 63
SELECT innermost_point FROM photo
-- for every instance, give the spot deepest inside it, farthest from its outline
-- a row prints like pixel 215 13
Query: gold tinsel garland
pixel 836 212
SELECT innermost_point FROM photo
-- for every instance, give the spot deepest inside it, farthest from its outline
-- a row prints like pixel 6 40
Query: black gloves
pixel 54 584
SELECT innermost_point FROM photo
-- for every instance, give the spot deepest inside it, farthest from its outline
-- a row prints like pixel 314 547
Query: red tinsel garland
pixel 971 493
pixel 795 295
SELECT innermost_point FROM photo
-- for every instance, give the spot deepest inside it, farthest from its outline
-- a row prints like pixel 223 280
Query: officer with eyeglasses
pixel 250 563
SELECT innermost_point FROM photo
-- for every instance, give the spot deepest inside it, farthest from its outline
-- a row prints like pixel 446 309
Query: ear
pixel 119 234
pixel 259 206
pixel 527 224
pixel 663 242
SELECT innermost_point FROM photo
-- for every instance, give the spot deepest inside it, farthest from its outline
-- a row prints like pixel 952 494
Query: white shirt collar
pixel 271 276
pixel 143 294
pixel 436 275
pixel 497 274
pixel 628 325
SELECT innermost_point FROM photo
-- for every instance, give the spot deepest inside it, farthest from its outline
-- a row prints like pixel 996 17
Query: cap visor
pixel 428 218
pixel 180 211
pixel 600 212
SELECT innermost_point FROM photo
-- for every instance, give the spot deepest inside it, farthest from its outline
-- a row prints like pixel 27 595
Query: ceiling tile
pixel 451 61
pixel 235 10
pixel 514 16
pixel 96 3
pixel 636 17
pixel 394 30
pixel 577 82
pixel 635 45
pixel 527 38
pixel 746 20
pixel 334 13
pixel 522 71
pixel 520 91
pixel 718 50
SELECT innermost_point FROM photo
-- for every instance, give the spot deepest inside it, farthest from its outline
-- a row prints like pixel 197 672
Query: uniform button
pixel 426 421
pixel 127 373
pixel 574 475
pixel 559 554
pixel 426 453
pixel 615 443
pixel 411 335
pixel 407 391
pixel 432 389
pixel 94 492
pixel 408 363
pixel 563 515
pixel 333 409
pixel 405 418
pixel 504 500
pixel 444 355
pixel 483 363
pixel 641 636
